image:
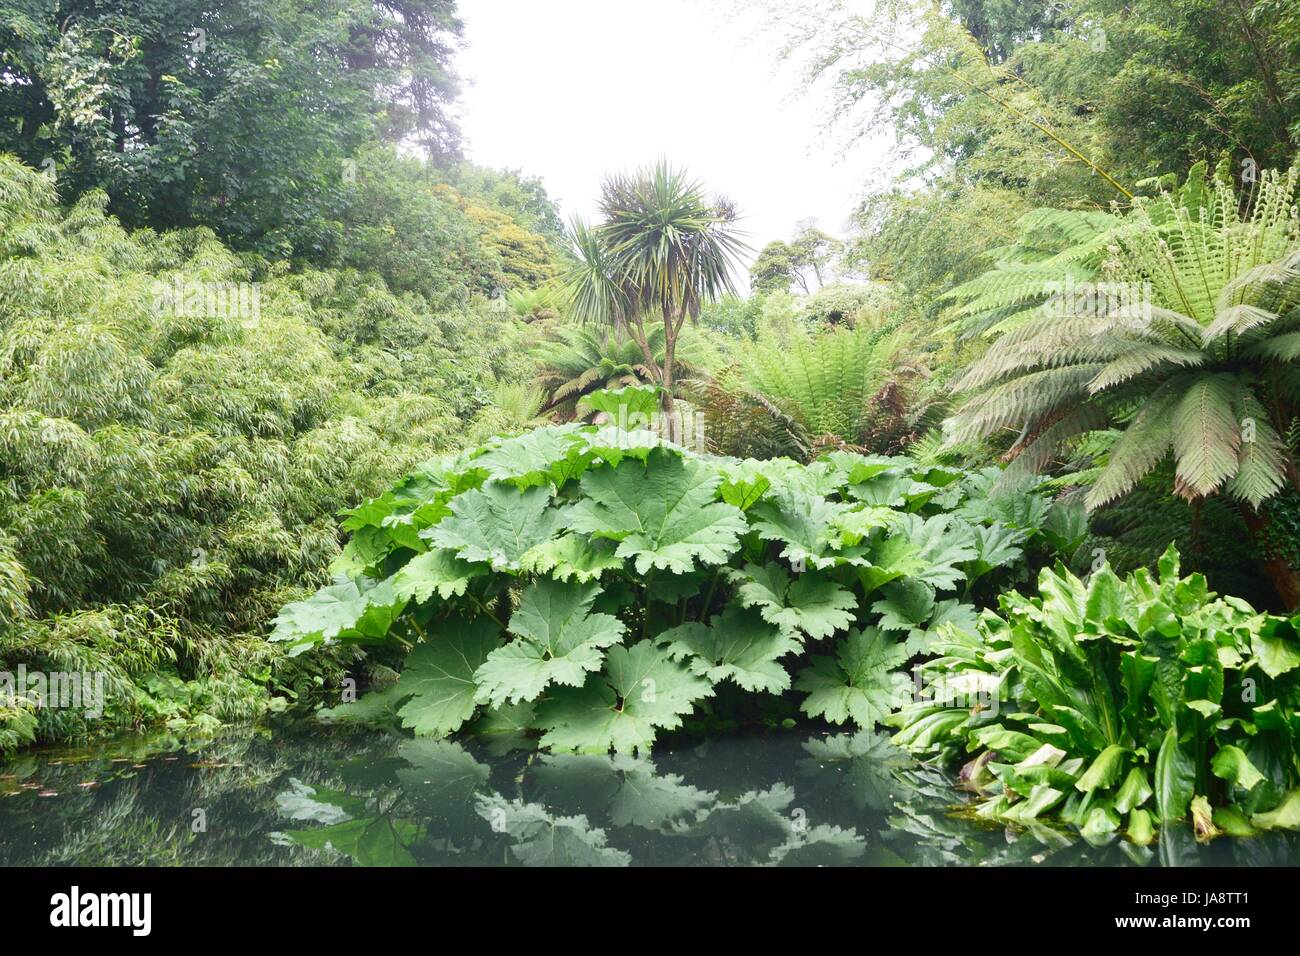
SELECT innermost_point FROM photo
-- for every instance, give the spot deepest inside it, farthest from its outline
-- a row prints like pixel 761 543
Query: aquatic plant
pixel 1119 705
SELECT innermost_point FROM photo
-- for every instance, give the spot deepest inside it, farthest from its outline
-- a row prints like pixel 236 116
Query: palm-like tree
pixel 663 249
pixel 1188 345
pixel 574 361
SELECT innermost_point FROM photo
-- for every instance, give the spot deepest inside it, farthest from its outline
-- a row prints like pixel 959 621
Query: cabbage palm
pixel 1189 346
pixel 663 250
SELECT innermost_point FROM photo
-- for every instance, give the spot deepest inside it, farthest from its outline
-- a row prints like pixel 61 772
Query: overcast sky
pixel 569 90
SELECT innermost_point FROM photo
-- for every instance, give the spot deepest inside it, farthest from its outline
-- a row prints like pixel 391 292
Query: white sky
pixel 570 90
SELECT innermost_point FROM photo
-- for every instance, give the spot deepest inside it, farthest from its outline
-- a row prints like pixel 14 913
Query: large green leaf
pixel 859 683
pixel 812 603
pixel 1175 779
pixel 1285 816
pixel 361 611
pixel 640 691
pixel 537 457
pixel 435 572
pixel 810 527
pixel 905 605
pixel 737 645
pixel 1232 764
pixel 1104 771
pixel 559 642
pixel 439 675
pixel 633 406
pixel 1276 647
pixel 995 546
pixel 663 513
pixel 573 557
pixel 943 543
pixel 498 524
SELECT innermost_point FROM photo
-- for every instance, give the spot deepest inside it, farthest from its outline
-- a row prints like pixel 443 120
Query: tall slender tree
pixel 663 249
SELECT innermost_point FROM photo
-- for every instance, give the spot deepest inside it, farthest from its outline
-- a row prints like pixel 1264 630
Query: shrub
pixel 598 585
pixel 170 470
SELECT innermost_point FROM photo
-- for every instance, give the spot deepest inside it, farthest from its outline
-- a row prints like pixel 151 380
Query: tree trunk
pixel 670 351
pixel 1286 579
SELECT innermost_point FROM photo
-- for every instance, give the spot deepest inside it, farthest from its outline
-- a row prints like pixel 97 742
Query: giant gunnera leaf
pixel 559 642
pixel 439 675
pixel 737 645
pixel 498 524
pixel 813 604
pixel 859 683
pixel 556 544
pixel 360 611
pixel 640 691
pixel 538 457
pixel 435 572
pixel 662 513
pixel 812 529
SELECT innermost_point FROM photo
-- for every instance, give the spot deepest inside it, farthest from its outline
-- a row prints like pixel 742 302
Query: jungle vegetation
pixel 354 413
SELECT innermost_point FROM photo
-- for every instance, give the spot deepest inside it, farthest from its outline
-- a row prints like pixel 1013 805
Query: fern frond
pixel 1207 439
pixel 1138 450
pixel 1261 469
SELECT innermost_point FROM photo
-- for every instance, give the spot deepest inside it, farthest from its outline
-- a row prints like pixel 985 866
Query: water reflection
pixel 331 797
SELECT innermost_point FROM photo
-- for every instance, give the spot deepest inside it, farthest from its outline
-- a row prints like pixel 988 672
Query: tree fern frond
pixel 1238 318
pixel 1141 358
pixel 1032 455
pixel 1140 448
pixel 1207 439
pixel 1261 469
pixel 1284 348
pixel 1024 399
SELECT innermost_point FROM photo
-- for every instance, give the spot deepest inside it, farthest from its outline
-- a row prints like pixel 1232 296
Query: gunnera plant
pixel 596 584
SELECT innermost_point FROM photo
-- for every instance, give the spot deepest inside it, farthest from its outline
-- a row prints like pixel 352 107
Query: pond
pixel 297 795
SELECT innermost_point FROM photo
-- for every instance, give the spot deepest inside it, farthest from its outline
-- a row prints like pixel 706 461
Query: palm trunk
pixel 671 328
pixel 670 412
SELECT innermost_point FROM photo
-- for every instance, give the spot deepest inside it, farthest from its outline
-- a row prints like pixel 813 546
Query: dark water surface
pixel 310 795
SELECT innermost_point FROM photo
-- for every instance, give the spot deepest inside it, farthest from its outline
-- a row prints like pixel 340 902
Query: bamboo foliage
pixel 168 471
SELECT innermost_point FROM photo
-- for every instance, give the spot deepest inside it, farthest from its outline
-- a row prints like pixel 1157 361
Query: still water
pixel 306 795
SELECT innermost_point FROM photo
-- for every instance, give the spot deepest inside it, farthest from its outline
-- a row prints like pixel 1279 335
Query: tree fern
pixel 1185 341
pixel 832 383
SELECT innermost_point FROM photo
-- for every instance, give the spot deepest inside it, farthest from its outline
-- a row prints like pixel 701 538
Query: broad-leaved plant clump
pixel 595 584
pixel 1118 705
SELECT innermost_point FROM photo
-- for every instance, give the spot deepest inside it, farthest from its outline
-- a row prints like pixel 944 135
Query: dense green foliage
pixel 598 585
pixel 248 117
pixel 1178 319
pixel 247 282
pixel 1119 705
pixel 1005 107
pixel 172 462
